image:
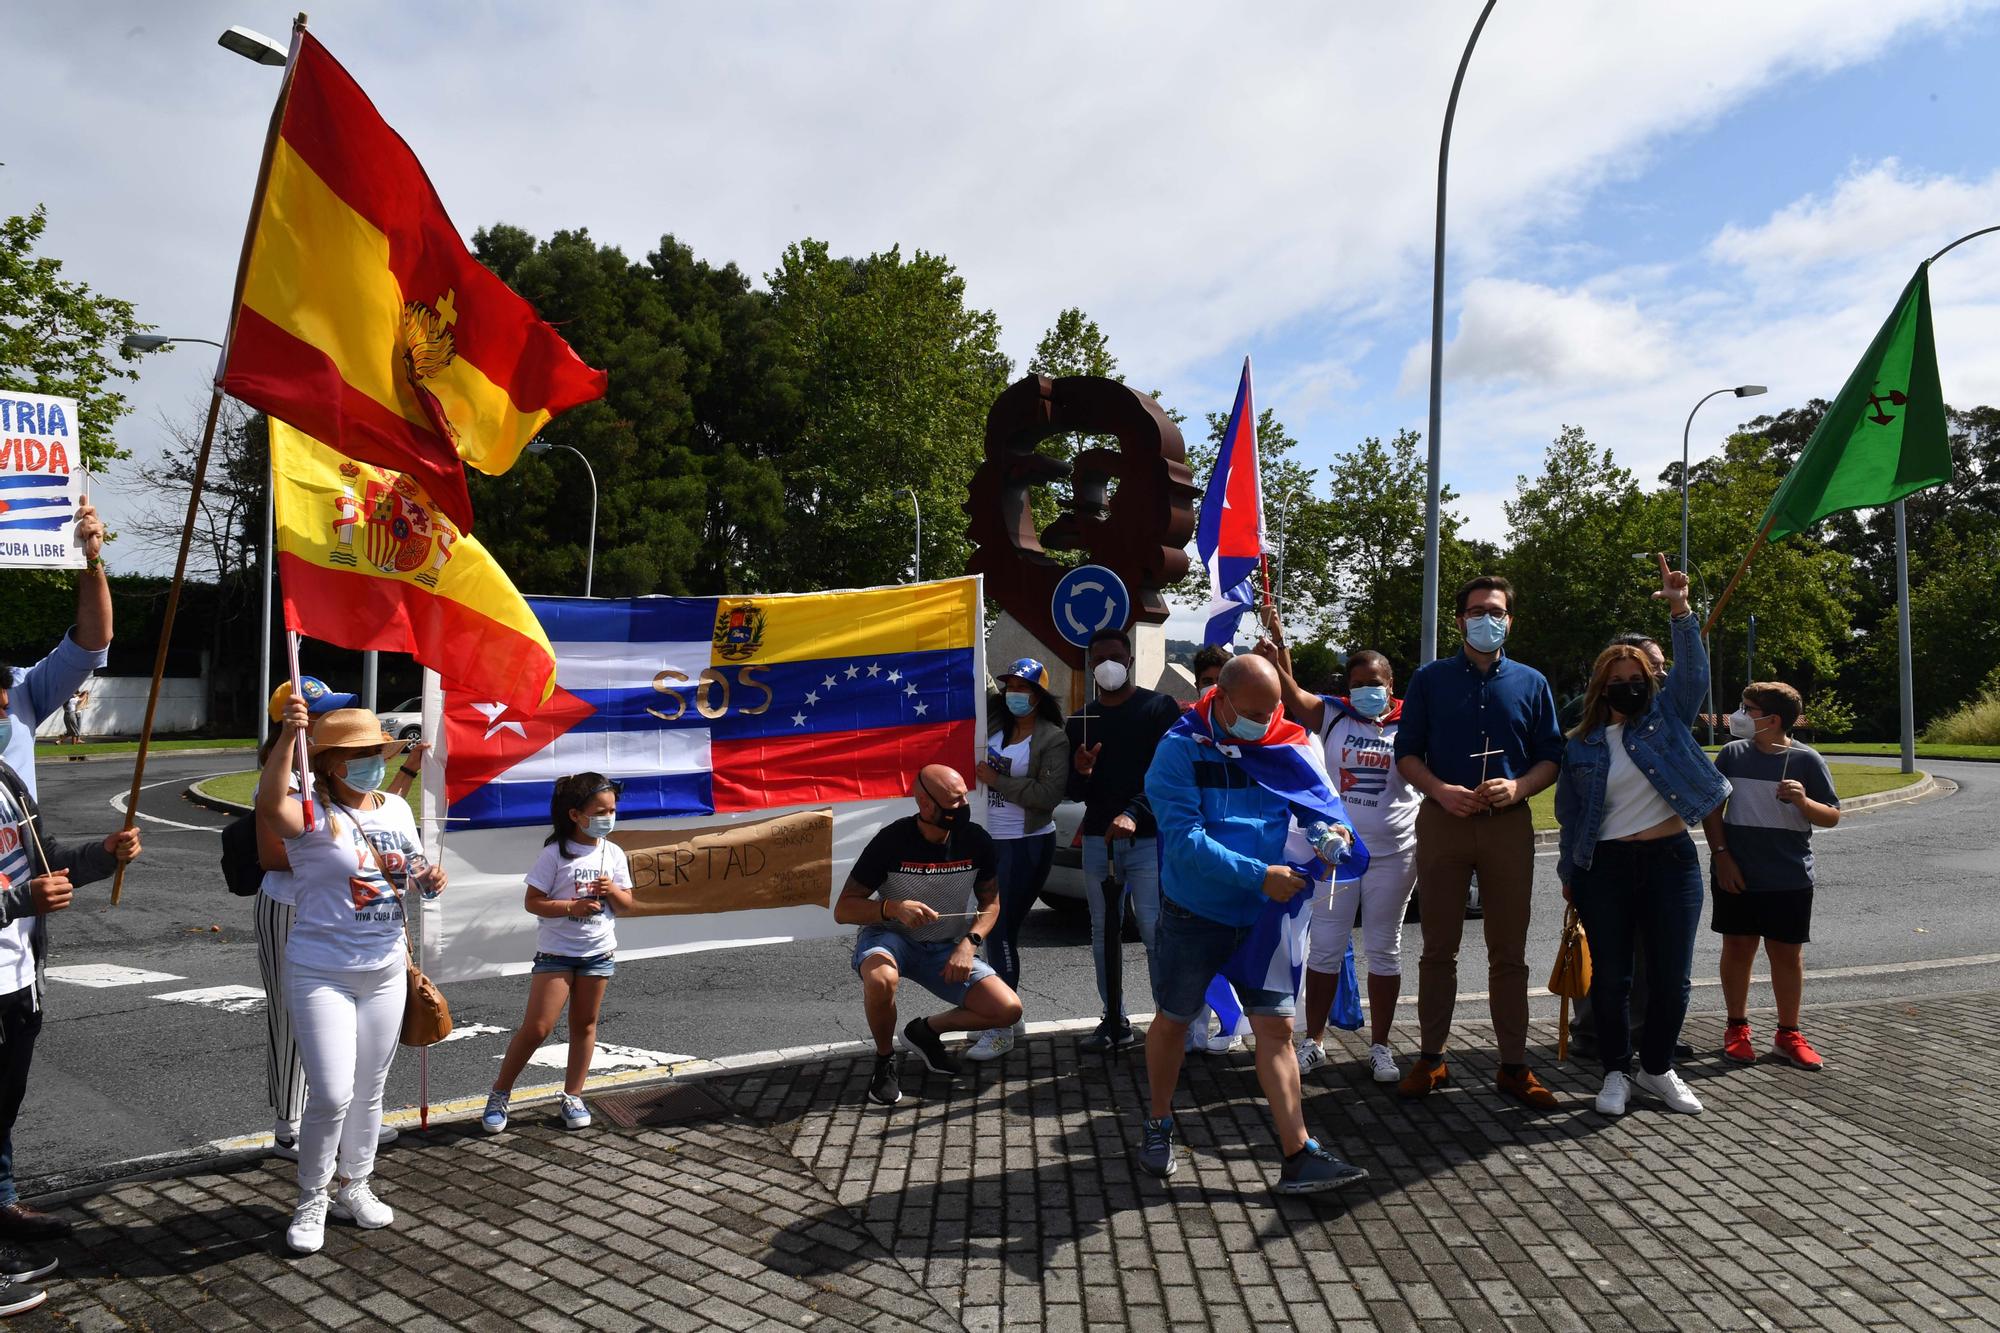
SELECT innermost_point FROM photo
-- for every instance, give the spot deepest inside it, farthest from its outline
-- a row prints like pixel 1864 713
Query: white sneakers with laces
pixel 1311 1055
pixel 307 1233
pixel 1616 1093
pixel 992 1044
pixel 1669 1088
pixel 355 1202
pixel 1382 1064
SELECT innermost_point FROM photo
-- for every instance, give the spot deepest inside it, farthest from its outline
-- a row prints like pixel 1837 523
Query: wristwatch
pixel 978 940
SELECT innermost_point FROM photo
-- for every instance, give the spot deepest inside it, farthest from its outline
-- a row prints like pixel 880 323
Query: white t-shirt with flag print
pixel 350 916
pixel 17 953
pixel 567 871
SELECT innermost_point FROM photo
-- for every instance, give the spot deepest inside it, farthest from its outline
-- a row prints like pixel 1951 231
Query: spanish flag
pixel 368 560
pixel 363 320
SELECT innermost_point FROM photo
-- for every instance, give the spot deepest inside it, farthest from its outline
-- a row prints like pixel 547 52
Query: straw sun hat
pixel 352 729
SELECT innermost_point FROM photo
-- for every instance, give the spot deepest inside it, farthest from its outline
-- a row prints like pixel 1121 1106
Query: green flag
pixel 1884 437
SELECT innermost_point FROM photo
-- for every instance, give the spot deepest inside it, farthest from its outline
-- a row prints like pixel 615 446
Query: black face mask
pixel 1629 696
pixel 948 817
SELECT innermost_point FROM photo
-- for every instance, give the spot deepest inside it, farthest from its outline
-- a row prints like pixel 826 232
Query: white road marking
pixel 1811 974
pixel 465 1030
pixel 556 1056
pixel 101 975
pixel 229 999
pixel 118 802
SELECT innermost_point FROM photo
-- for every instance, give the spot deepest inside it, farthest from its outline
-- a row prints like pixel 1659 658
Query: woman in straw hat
pixel 345 960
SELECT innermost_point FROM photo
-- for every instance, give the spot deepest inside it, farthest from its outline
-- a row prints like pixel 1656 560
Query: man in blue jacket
pixel 1222 863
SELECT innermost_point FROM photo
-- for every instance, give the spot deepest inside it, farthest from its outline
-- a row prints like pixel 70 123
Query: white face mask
pixel 1111 676
pixel 1743 726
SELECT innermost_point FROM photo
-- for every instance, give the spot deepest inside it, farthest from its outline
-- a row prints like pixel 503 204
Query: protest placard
pixel 41 481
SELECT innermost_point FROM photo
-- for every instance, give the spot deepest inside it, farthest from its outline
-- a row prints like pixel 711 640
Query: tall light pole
pixel 1428 634
pixel 1741 391
pixel 917 569
pixel 541 446
pixel 1284 519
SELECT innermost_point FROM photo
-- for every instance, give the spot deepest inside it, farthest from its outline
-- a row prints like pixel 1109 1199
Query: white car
pixel 406 720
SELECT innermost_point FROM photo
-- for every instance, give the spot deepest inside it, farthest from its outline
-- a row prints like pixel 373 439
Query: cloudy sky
pixel 1648 202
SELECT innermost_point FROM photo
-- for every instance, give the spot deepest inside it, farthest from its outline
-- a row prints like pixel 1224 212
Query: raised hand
pixel 1673 586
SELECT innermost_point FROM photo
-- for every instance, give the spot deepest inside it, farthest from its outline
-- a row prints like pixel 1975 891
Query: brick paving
pixel 1866 1196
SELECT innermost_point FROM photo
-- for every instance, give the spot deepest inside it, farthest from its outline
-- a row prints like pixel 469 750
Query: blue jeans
pixel 1192 950
pixel 1640 895
pixel 920 961
pixel 20 1024
pixel 1138 863
pixel 1023 870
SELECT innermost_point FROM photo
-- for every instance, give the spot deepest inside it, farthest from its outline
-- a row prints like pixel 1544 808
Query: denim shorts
pixel 920 962
pixel 1189 951
pixel 597 965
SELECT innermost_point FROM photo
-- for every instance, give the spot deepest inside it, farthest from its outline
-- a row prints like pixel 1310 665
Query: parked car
pixel 406 720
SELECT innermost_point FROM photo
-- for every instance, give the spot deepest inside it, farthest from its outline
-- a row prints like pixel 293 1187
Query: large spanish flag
pixel 362 318
pixel 368 561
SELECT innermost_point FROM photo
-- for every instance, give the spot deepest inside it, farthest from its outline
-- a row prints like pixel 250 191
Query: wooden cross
pixel 1482 756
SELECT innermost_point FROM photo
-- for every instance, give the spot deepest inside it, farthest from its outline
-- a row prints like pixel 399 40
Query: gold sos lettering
pixel 717 692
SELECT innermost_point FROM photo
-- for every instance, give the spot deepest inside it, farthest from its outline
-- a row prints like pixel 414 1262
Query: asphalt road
pixel 125 1071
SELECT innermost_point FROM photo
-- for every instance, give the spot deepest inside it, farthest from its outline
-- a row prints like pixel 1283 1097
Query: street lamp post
pixel 541 446
pixel 1285 503
pixel 917 565
pixel 1741 391
pixel 1428 633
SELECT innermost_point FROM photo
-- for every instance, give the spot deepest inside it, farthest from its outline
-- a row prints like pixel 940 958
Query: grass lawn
pixel 1987 752
pixel 239 787
pixel 52 751
pixel 1849 780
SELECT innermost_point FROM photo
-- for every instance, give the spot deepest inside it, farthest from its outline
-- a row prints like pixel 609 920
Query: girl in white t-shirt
pixel 345 967
pixel 580 880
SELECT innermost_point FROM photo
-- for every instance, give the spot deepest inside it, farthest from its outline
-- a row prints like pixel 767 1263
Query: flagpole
pixel 201 456
pixel 1715 611
pixel 1905 689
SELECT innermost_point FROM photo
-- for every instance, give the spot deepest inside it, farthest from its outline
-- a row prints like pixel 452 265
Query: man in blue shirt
pixel 1478 738
pixel 40 690
pixel 1222 858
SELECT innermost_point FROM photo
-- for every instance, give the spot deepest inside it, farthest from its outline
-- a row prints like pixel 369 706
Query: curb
pixel 56 753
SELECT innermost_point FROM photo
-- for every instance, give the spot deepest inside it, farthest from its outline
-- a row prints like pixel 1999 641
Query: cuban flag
pixel 1230 536
pixel 706 705
pixel 30 502
pixel 1287 763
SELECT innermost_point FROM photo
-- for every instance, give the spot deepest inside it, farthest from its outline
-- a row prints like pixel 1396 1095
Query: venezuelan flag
pixel 714 704
pixel 362 318
pixel 368 561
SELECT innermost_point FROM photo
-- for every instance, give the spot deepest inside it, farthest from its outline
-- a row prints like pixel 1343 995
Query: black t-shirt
pixel 900 862
pixel 1130 733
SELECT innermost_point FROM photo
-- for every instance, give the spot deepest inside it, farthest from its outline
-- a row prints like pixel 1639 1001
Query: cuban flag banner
pixel 1230 535
pixel 1288 764
pixel 42 481
pixel 758 741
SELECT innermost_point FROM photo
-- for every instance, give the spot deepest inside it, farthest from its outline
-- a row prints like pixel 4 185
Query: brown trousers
pixel 1501 848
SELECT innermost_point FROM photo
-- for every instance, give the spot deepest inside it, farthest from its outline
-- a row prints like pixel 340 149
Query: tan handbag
pixel 1571 975
pixel 426 1016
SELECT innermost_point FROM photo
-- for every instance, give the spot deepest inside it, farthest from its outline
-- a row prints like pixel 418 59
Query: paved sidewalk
pixel 1868 1195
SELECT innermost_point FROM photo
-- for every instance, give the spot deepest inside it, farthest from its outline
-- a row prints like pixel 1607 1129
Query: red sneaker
pixel 1736 1045
pixel 1793 1049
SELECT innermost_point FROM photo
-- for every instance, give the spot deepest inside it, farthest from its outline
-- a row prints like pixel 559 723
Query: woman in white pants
pixel 345 959
pixel 1358 732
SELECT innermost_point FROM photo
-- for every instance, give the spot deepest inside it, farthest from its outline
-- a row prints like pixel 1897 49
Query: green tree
pixel 895 375
pixel 1073 345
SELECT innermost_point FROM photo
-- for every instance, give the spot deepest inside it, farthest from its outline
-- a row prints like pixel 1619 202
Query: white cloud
pixel 1875 211
pixel 1511 330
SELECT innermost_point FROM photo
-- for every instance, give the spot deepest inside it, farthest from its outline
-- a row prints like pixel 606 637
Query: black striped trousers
pixel 285 1072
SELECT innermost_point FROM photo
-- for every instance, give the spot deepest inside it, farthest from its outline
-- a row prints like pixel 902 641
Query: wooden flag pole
pixel 1715 612
pixel 201 457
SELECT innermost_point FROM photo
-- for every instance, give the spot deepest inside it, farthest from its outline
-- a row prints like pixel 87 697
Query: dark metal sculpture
pixel 1139 527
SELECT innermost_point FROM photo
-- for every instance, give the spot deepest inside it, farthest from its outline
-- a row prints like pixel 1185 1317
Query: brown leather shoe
pixel 20 1222
pixel 1525 1087
pixel 1424 1077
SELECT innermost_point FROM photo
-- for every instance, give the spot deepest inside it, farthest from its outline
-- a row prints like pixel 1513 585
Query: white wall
pixel 117 707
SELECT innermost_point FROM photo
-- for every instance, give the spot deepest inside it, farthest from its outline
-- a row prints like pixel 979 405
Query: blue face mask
pixel 6 731
pixel 1486 633
pixel 600 826
pixel 1020 705
pixel 1243 729
pixel 365 774
pixel 1369 700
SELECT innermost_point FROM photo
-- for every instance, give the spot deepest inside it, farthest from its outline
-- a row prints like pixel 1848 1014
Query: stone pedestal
pixel 1011 640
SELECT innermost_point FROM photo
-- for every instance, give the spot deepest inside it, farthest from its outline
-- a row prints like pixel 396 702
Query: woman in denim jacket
pixel 1633 780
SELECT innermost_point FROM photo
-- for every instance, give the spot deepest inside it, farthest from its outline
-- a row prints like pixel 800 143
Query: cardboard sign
pixel 785 861
pixel 41 481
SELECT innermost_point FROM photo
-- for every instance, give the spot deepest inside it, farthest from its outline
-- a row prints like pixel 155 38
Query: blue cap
pixel 1028 671
pixel 319 699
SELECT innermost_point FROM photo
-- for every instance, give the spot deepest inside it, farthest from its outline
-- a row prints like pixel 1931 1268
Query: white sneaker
pixel 285 1140
pixel 1613 1096
pixel 307 1233
pixel 495 1117
pixel 386 1135
pixel 1669 1088
pixel 355 1202
pixel 1222 1043
pixel 1311 1055
pixel 1382 1061
pixel 575 1115
pixel 992 1044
